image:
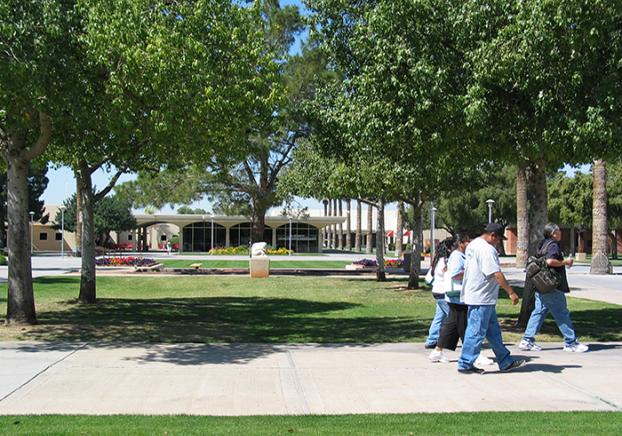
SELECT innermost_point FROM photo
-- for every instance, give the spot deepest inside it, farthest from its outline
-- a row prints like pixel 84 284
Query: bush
pixel 229 250
pixel 3 260
pixel 279 251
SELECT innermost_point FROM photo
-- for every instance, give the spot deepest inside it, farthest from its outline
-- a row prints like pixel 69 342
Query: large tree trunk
pixel 399 231
pixel 538 205
pixel 522 217
pixel 380 274
pixel 370 223
pixel 21 300
pixel 259 225
pixel 78 219
pixel 348 225
pixel 600 227
pixel 20 296
pixel 417 247
pixel 340 226
pixel 357 235
pixel 88 273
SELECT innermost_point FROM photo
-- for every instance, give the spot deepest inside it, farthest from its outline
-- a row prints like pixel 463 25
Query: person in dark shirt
pixel 553 301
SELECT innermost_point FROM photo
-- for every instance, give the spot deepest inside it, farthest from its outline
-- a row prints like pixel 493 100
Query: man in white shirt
pixel 480 290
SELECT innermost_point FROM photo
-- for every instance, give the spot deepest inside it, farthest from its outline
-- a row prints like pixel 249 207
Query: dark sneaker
pixel 429 346
pixel 471 370
pixel 516 364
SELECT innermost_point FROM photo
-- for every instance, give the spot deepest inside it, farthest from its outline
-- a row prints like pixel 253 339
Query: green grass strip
pixel 485 423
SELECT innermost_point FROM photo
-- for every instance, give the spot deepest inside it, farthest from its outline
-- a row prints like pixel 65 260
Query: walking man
pixel 480 291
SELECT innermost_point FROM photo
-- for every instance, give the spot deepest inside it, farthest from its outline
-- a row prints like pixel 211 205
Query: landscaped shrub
pixel 243 250
pixel 124 261
pixel 3 260
pixel 229 250
pixel 279 251
pixel 393 263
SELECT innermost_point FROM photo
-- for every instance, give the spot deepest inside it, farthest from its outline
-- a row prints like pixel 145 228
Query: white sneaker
pixel 529 346
pixel 483 361
pixel 576 348
pixel 438 356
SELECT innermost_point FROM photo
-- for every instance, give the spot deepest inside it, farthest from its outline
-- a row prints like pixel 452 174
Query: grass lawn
pixel 588 261
pixel 181 263
pixel 561 423
pixel 274 310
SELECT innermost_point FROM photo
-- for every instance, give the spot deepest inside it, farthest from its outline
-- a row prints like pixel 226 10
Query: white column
pixel 227 237
pixel 273 237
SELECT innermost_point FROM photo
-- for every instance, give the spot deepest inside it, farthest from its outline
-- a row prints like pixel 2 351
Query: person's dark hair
pixel 442 250
pixel 549 229
pixel 459 238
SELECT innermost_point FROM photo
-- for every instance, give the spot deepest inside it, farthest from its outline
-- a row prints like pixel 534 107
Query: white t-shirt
pixel 438 286
pixel 455 265
pixel 479 286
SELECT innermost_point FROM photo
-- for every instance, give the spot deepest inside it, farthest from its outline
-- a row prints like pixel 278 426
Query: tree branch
pixel 101 194
pixel 45 133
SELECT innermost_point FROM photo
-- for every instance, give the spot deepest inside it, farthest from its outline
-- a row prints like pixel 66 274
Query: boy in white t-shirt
pixel 480 290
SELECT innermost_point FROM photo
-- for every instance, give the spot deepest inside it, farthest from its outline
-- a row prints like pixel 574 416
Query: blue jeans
pixel 442 310
pixel 554 302
pixel 483 323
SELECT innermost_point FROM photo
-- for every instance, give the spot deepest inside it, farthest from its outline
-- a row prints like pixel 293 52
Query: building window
pixel 43 236
pixel 163 238
pixel 129 236
pixel 59 236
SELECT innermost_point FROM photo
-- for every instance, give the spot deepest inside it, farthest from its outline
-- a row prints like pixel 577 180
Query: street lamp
pixel 290 235
pixel 62 231
pixel 490 202
pixel 432 228
pixel 32 229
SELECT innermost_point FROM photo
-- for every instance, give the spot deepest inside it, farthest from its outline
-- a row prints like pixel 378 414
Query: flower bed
pixel 124 261
pixel 371 263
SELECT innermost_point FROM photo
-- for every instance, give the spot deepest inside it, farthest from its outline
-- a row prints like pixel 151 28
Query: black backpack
pixel 543 277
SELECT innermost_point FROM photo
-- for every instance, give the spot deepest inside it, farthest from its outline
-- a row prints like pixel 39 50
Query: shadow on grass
pixel 219 319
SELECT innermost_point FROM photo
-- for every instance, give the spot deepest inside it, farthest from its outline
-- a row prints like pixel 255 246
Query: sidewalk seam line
pixel 297 384
pixel 42 371
pixel 589 394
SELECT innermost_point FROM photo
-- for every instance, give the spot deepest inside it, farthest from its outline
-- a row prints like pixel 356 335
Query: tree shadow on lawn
pixel 602 325
pixel 219 319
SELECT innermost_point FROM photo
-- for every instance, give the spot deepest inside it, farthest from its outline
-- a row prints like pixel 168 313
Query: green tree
pixel 37 82
pixel 112 213
pixel 187 210
pixel 247 185
pixel 543 91
pixel 163 84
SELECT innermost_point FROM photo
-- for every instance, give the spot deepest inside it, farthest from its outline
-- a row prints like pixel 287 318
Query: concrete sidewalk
pixel 263 379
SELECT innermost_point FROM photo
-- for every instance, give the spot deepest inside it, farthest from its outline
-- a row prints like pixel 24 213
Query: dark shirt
pixel 554 251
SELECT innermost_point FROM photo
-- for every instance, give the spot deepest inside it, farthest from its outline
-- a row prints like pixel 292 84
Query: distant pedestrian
pixel 553 301
pixel 439 266
pixel 455 324
pixel 480 291
pixel 169 248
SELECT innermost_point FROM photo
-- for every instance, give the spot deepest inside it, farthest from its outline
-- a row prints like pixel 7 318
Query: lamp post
pixel 62 231
pixel 290 235
pixel 490 202
pixel 32 229
pixel 432 228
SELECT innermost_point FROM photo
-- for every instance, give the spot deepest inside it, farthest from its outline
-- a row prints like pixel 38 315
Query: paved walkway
pixel 252 379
